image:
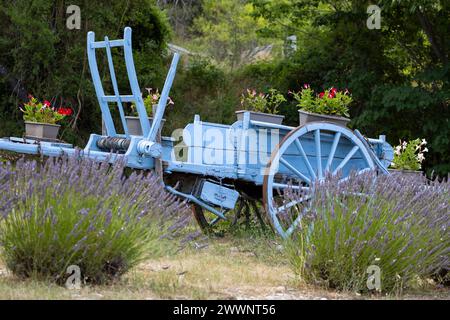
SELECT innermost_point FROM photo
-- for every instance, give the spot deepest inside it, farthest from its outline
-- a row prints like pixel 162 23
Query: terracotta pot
pixel 306 117
pixel 38 130
pixel 260 116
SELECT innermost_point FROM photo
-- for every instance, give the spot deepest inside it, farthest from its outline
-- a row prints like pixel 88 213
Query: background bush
pixel 398 223
pixel 39 55
pixel 79 212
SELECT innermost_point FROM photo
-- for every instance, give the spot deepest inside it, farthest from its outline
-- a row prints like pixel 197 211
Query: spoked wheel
pixel 304 157
pixel 245 211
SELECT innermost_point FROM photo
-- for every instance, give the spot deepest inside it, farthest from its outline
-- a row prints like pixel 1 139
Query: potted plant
pixel 150 103
pixel 262 107
pixel 330 105
pixel 41 119
pixel 408 157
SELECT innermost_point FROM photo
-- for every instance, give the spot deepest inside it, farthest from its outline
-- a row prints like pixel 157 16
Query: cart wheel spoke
pixel 284 186
pixel 336 139
pixel 305 158
pixel 293 225
pixel 292 203
pixel 295 171
pixel 318 153
pixel 346 159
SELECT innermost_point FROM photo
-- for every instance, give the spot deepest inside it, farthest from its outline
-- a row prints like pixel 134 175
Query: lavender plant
pixel 399 224
pixel 79 212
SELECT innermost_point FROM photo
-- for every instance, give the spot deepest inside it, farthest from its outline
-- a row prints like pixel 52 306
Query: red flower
pixel 321 94
pixel 331 95
pixel 333 90
pixel 65 111
pixel 47 103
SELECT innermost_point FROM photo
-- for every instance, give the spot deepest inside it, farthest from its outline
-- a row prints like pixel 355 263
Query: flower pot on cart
pixel 134 125
pixel 404 172
pixel 44 131
pixel 260 116
pixel 306 117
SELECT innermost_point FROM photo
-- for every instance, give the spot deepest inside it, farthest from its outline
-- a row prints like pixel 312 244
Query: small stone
pixel 234 250
pixel 280 289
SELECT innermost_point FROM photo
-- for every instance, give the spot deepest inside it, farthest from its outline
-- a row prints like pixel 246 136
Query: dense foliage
pixel 399 224
pixel 79 212
pixel 41 56
pixel 398 75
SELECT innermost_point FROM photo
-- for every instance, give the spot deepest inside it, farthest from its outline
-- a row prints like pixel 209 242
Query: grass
pixel 233 267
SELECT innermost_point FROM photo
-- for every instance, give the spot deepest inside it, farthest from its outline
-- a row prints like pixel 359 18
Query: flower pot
pixel 306 117
pixel 408 173
pixel 260 116
pixel 134 125
pixel 37 130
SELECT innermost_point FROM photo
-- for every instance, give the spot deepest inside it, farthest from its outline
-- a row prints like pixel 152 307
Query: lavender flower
pixel 78 211
pixel 401 220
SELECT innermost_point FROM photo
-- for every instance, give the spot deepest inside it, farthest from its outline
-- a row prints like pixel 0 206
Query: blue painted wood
pixel 318 151
pixel 156 124
pixel 112 72
pixel 336 140
pixel 219 195
pixel 134 85
pixel 92 58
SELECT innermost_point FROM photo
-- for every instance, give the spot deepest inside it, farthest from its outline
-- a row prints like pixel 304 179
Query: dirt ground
pixel 224 269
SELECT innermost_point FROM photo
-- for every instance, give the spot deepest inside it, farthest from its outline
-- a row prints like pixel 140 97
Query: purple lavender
pixel 74 211
pixel 399 223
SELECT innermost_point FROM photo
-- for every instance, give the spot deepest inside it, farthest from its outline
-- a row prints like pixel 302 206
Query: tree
pixel 226 29
pixel 399 75
pixel 39 55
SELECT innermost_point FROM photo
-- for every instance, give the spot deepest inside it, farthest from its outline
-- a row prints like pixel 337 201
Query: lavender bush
pixel 400 224
pixel 78 212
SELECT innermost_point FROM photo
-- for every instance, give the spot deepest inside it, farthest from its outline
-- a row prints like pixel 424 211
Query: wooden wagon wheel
pixel 304 157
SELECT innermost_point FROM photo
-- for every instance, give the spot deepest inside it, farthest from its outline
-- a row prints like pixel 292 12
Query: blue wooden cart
pixel 224 168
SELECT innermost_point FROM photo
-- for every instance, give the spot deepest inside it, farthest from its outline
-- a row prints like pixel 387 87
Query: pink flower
pixel 170 101
pixel 47 103
pixel 306 86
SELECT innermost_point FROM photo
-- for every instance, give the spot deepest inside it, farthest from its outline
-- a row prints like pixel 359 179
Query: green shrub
pixel 398 224
pixel 78 212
